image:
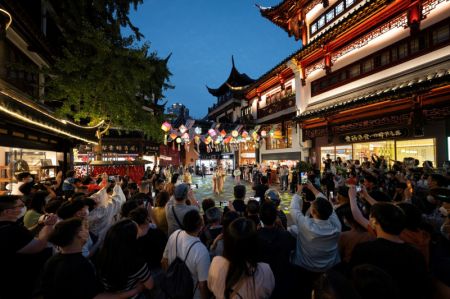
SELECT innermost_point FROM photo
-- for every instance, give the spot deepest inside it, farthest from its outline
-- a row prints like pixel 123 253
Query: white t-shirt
pixel 198 260
pixel 258 287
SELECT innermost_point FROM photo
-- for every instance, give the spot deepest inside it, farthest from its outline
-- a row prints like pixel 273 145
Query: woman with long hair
pixel 237 274
pixel 119 266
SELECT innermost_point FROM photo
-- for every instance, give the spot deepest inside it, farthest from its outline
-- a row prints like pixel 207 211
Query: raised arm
pixel 356 212
pixel 296 206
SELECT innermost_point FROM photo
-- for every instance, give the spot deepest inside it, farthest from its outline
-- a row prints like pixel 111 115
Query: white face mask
pixel 23 210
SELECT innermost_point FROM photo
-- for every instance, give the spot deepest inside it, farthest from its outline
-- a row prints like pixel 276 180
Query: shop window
pixel 394 54
pixel 313 28
pixel 384 58
pixel 402 50
pixel 349 3
pixel 281 137
pixel 414 45
pixel 354 71
pixel 339 8
pixel 321 22
pixel 367 66
pixel 441 34
pixel 379 148
pixel 420 149
pixel 330 15
pixel 345 152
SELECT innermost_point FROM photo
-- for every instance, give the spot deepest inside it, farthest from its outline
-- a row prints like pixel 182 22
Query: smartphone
pixel 303 178
pixel 358 188
pixel 224 203
pixel 257 198
pixel 193 187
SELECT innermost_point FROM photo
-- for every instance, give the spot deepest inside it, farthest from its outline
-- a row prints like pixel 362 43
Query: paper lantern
pixel 198 130
pixel 166 127
pixel 255 135
pixel 219 138
pixel 244 134
pixel 223 133
pixel 185 136
pixel 173 135
pixel 212 132
pixel 263 133
pixel 234 133
pixel 178 141
pixel 182 129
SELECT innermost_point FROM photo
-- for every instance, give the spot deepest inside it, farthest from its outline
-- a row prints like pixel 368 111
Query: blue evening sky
pixel 202 35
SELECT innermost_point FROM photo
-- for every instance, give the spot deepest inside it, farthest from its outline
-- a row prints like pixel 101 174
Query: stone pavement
pixel 205 190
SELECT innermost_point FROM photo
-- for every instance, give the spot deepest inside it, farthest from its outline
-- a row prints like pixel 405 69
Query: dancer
pixel 237 176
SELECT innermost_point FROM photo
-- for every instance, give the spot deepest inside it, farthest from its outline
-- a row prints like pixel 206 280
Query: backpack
pixel 177 282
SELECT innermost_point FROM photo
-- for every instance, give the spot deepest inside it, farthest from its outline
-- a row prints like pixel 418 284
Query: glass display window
pixel 420 149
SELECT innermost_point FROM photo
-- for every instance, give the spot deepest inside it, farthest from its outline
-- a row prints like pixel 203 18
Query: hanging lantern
pixel 244 134
pixel 166 127
pixel 234 133
pixel 255 135
pixel 173 136
pixel 223 133
pixel 182 129
pixel 263 133
pixel 197 142
pixel 178 141
pixel 212 132
pixel 185 137
pixel 219 138
pixel 198 130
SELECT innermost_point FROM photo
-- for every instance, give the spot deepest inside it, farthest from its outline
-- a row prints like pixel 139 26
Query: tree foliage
pixel 100 75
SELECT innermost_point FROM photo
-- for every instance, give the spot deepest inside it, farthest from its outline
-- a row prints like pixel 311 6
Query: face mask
pixel 23 210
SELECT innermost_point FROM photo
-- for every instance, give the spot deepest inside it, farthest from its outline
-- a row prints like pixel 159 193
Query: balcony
pixel 277 106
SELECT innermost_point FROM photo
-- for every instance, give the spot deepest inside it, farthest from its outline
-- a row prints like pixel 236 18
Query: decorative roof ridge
pixel 320 40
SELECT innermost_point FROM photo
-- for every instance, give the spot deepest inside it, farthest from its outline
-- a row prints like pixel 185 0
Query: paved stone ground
pixel 205 190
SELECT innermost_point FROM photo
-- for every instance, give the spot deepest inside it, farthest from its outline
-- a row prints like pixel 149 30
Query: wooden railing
pixel 282 104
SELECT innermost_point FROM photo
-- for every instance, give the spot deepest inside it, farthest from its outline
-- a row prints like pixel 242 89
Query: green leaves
pixel 101 75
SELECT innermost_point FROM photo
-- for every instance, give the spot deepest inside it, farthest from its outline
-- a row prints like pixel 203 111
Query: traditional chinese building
pixel 372 77
pixel 231 102
pixel 32 137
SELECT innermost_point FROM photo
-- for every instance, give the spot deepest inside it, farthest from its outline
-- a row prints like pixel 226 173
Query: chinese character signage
pixel 388 134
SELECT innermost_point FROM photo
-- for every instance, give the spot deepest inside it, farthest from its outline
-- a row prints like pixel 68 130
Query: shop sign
pixel 248 155
pixel 162 157
pixel 375 136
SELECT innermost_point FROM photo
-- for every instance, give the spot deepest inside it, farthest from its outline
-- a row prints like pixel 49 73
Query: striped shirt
pixel 141 275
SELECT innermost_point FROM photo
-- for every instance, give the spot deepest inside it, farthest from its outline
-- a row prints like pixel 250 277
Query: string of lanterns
pixel 214 139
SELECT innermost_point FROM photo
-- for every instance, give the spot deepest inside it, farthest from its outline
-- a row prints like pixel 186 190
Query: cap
pixel 273 195
pixel 181 191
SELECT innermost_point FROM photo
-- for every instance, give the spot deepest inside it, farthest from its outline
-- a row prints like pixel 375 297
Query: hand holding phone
pixel 358 188
pixel 303 178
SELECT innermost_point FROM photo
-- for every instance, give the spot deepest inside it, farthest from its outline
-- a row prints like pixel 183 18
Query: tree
pixel 100 75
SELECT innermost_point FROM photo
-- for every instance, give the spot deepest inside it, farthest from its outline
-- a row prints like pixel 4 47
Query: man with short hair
pixel 404 263
pixel 318 232
pixel 261 187
pixel 176 207
pixel 238 204
pixel 276 246
pixel 18 248
pixel 183 241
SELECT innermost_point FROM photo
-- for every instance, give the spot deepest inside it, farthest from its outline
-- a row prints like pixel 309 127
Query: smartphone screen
pixel 257 198
pixel 358 188
pixel 303 178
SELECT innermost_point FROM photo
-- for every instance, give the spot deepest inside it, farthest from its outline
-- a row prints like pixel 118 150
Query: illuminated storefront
pixel 392 150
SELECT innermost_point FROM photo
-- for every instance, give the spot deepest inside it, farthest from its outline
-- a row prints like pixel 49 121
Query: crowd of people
pixel 355 230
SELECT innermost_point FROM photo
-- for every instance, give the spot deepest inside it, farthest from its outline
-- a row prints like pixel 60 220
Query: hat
pixel 273 195
pixel 181 191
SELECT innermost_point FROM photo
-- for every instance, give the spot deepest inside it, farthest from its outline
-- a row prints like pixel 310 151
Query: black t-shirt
pixel 69 276
pixel 404 263
pixel 151 247
pixel 275 246
pixel 260 190
pixel 15 267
